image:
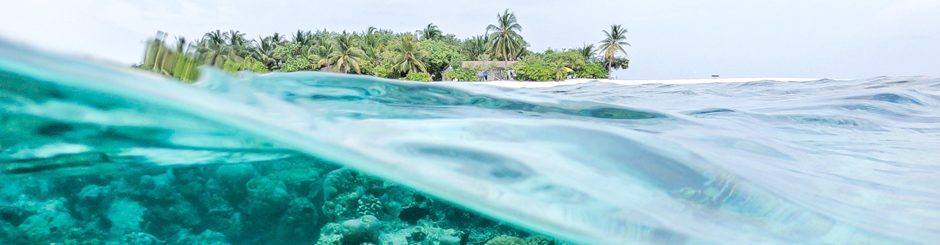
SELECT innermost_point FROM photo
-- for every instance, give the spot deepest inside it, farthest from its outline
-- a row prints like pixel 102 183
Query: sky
pixel 670 39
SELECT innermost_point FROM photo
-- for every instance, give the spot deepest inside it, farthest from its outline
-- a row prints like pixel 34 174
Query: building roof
pixel 488 63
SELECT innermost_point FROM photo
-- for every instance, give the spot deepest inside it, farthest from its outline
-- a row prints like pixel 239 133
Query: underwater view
pixel 95 154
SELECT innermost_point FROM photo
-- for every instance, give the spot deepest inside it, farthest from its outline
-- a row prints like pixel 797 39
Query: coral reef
pixel 296 200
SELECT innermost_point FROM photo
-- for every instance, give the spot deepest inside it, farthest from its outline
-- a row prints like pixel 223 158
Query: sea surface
pixel 819 162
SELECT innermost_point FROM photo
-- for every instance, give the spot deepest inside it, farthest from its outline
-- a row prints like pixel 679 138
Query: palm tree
pixel 170 58
pixel 373 45
pixel 277 38
pixel 237 43
pixel 475 47
pixel 181 45
pixel 587 51
pixel 160 53
pixel 184 68
pixel 561 72
pixel 304 38
pixel 430 32
pixel 505 40
pixel 153 50
pixel 319 52
pixel 213 47
pixel 346 57
pixel 408 56
pixel 612 44
pixel 175 61
pixel 264 51
pixel 215 36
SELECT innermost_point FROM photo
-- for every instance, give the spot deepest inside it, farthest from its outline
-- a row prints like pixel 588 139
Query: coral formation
pixel 505 240
pixel 297 200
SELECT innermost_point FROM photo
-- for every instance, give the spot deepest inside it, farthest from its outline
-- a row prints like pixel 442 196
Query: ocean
pixel 98 154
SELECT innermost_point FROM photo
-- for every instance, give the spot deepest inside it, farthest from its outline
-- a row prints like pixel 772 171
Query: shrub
pixel 534 68
pixel 549 66
pixel 592 70
pixel 247 64
pixel 295 64
pixel 441 55
pixel 418 76
pixel 571 59
pixel 293 58
pixel 462 74
pixel 384 71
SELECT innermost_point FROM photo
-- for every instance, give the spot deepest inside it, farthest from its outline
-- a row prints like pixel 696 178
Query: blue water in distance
pixel 827 162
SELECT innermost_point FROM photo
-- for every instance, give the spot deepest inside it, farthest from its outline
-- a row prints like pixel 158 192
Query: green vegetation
pixel 505 41
pixel 431 32
pixel 553 65
pixel 441 56
pixel 407 57
pixel 418 76
pixel 346 57
pixel 612 44
pixel 461 74
pixel 179 62
pixel 387 54
pixel 592 70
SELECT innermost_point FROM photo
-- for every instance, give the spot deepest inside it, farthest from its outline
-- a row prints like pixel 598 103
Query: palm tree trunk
pixel 150 55
pixel 505 66
pixel 158 60
pixel 609 69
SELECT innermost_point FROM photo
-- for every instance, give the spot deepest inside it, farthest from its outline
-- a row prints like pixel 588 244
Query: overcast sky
pixel 671 38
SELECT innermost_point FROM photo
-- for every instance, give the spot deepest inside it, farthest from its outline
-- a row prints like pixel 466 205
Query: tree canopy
pixel 384 53
pixel 613 44
pixel 506 42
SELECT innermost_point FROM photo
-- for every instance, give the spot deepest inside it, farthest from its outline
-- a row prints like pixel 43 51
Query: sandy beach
pixel 545 84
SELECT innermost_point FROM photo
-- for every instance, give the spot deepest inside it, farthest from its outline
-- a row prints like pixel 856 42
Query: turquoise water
pixel 829 162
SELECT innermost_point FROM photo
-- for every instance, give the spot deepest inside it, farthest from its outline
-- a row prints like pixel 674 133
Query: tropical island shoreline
pixel 500 57
pixel 427 54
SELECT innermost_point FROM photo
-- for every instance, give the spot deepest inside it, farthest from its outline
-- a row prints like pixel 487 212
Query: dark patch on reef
pixel 413 214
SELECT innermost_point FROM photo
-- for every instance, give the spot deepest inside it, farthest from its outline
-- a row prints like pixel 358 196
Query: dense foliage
pixel 613 44
pixel 592 70
pixel 461 74
pixel 506 42
pixel 535 68
pixel 384 53
pixel 441 56
pixel 247 64
pixel 418 76
pixel 553 65
pixel 407 57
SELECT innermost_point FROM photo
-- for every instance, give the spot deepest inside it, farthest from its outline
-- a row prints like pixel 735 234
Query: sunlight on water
pixel 761 162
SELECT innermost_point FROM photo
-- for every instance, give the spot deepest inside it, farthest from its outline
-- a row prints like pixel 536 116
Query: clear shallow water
pixel 762 162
